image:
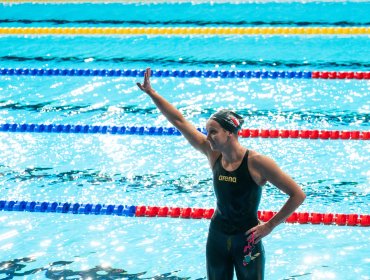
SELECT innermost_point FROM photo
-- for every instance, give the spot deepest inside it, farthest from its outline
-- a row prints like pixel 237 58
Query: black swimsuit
pixel 238 197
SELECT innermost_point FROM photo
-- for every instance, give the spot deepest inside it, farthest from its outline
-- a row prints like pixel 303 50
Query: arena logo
pixel 227 178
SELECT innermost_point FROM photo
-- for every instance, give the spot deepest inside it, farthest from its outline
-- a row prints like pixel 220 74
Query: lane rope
pixel 183 31
pixel 362 220
pixel 167 131
pixel 259 74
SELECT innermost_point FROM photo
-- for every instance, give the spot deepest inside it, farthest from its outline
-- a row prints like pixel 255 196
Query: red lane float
pixel 305 134
pixel 163 131
pixel 297 217
pixel 340 75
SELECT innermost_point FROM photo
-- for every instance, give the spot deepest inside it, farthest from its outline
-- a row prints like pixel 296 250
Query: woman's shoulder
pixel 254 167
pixel 254 155
pixel 257 159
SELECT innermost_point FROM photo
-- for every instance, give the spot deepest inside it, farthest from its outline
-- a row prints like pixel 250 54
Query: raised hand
pixel 146 87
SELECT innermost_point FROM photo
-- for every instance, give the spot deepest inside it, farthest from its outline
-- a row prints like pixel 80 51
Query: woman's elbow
pixel 298 196
pixel 301 196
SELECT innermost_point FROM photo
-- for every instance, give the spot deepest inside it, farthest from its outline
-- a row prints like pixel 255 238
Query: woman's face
pixel 217 136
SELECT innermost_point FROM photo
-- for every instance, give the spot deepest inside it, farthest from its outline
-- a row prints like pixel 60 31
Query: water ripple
pixel 59 269
pixel 186 22
pixel 103 111
pixel 165 61
pixel 328 190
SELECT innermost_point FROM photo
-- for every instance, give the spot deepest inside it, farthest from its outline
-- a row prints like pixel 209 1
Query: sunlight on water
pixel 148 238
pixel 264 103
pixel 135 169
pixel 166 170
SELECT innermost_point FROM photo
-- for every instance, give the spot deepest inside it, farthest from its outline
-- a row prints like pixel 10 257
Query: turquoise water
pixel 165 170
pixel 236 53
pixel 340 13
pixel 256 52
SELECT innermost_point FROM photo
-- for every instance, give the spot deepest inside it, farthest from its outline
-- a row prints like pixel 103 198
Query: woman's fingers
pixel 140 86
pixel 256 233
pixel 250 231
pixel 145 86
pixel 146 73
pixel 147 77
pixel 146 82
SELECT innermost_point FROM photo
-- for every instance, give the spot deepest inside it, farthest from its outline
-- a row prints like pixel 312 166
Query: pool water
pixel 165 170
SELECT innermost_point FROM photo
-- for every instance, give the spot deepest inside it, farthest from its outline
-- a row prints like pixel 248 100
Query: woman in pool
pixel 234 238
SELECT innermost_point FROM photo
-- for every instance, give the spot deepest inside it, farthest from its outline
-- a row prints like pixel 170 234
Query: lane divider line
pixel 168 131
pixel 183 31
pixel 257 74
pixel 362 220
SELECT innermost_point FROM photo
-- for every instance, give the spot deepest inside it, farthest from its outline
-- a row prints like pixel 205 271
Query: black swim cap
pixel 229 120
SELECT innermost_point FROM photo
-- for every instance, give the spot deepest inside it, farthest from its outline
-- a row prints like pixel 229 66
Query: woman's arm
pixel 272 173
pixel 197 139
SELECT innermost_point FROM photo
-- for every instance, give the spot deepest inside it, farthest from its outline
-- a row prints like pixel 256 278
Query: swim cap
pixel 228 120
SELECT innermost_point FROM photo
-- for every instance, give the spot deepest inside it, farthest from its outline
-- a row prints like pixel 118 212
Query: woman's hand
pixel 146 87
pixel 260 231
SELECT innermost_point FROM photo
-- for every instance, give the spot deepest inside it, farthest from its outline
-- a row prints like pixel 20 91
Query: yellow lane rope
pixel 183 31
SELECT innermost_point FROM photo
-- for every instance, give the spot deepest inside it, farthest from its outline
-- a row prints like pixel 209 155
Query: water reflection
pixel 169 61
pixel 104 110
pixel 48 176
pixel 188 183
pixel 58 270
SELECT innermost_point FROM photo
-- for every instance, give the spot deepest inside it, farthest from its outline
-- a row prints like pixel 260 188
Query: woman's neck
pixel 233 153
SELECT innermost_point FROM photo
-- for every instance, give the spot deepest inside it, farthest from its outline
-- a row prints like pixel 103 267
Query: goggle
pixel 248 249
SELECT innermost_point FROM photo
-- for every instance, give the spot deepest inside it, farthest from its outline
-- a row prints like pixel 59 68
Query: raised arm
pixel 197 139
pixel 272 173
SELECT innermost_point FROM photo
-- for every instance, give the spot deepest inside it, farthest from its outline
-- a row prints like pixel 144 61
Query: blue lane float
pixel 90 129
pixel 351 219
pixel 169 131
pixel 157 73
pixel 72 208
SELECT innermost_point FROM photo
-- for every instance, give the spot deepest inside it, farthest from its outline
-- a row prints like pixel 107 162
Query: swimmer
pixel 235 233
